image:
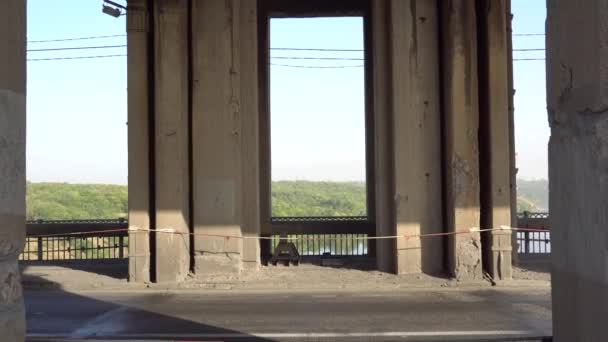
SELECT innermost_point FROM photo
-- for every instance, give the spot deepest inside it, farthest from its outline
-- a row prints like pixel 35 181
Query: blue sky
pixel 317 114
pixel 531 122
pixel 77 109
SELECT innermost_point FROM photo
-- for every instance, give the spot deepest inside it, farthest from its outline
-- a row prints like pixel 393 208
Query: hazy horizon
pixel 280 180
pixel 77 108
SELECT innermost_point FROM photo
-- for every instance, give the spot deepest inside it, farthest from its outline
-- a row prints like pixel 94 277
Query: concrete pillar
pixel 416 135
pixel 385 220
pixel 495 175
pixel 264 145
pixel 225 135
pixel 12 166
pixel 139 139
pixel 460 127
pixel 250 132
pixel 577 101
pixel 172 140
pixel 512 159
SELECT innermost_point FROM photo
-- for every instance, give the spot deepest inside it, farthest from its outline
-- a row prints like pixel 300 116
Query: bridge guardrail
pixel 64 240
pixel 533 242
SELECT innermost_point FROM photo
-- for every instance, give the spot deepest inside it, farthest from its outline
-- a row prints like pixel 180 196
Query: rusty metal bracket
pixel 285 252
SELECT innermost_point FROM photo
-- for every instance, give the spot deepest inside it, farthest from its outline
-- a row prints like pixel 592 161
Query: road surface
pixel 415 315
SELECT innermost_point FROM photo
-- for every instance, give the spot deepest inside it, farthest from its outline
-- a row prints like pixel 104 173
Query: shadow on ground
pixel 117 269
pixel 47 319
pixel 537 263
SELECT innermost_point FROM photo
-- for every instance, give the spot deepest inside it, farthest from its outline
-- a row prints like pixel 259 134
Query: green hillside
pixel 524 204
pixel 302 198
pixel 63 201
pixel 534 192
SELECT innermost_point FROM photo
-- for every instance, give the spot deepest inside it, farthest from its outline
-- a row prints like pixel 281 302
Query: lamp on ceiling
pixel 112 8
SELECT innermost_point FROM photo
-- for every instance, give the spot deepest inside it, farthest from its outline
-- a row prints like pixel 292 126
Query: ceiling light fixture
pixel 112 8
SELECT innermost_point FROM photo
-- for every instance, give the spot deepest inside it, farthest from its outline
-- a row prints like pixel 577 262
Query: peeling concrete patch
pixel 217 263
pixel 461 176
pixel 12 152
pixel 566 81
pixel 12 235
pixel 10 283
pixel 468 264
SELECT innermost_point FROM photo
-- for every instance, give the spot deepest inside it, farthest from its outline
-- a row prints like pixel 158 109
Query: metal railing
pixel 277 219
pixel 96 239
pixel 537 242
pixel 75 240
pixel 534 242
pixel 326 244
pixel 315 236
pixel 533 215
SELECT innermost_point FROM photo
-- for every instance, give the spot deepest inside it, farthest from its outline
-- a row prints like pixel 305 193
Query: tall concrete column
pixel 512 154
pixel 460 127
pixel 139 139
pixel 216 137
pixel 172 140
pixel 225 135
pixel 416 135
pixel 495 155
pixel 12 166
pixel 385 220
pixel 577 101
pixel 250 132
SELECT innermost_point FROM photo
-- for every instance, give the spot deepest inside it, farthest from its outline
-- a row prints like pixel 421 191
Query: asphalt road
pixel 413 315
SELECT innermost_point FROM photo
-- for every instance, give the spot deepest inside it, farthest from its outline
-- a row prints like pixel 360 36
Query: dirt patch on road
pixel 537 267
pixel 318 277
pixel 302 277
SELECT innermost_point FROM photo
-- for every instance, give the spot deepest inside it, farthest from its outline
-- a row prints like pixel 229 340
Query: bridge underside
pixel 438 94
pixel 439 99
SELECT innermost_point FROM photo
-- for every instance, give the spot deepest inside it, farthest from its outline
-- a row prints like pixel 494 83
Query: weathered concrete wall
pixel 250 132
pixel 577 100
pixel 172 139
pixel 460 127
pixel 512 154
pixel 216 117
pixel 12 166
pixel 225 135
pixel 495 154
pixel 139 138
pixel 416 134
pixel 408 134
pixel 385 220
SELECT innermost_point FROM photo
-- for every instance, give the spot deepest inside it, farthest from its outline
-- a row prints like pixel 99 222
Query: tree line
pixel 64 201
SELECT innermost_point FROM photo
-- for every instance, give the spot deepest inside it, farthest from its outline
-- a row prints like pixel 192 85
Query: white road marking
pixel 100 325
pixel 325 296
pixel 300 335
